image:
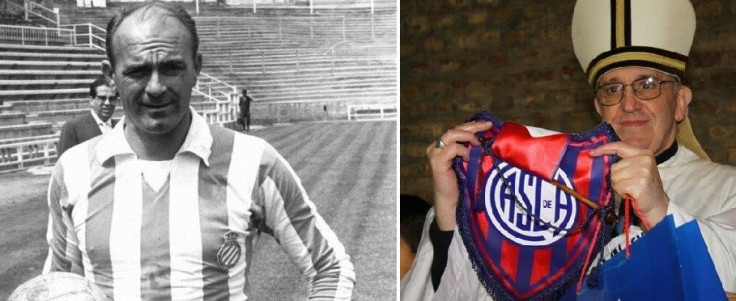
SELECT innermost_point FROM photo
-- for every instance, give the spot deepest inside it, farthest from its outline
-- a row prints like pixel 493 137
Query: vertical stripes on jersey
pixel 246 157
pixel 296 225
pixel 125 229
pixel 138 243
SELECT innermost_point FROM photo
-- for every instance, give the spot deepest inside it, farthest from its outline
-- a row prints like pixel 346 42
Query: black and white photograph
pixel 198 150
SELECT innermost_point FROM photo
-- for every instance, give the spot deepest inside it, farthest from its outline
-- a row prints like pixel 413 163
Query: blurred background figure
pixel 99 120
pixel 413 211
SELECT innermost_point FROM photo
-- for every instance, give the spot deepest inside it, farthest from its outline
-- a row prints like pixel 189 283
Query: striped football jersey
pixel 192 238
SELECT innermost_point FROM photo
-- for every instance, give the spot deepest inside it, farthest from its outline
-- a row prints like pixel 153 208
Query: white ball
pixel 58 286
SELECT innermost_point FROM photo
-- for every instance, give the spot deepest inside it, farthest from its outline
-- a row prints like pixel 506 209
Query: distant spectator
pixel 244 103
pixel 413 211
pixel 99 120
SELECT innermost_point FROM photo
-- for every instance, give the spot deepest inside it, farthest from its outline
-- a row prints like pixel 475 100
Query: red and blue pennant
pixel 534 207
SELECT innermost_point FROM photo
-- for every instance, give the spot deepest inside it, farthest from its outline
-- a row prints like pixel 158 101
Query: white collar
pixel 98 120
pixel 197 142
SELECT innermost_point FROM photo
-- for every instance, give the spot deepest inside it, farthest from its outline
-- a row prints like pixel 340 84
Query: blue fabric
pixel 667 263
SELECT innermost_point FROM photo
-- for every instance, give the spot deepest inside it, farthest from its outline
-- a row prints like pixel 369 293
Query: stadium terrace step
pixel 32 74
pixel 204 106
pixel 49 49
pixel 324 96
pixel 12 118
pixel 17 95
pixel 39 56
pixel 46 92
pixel 49 104
pixel 14 64
pixel 59 117
pixel 25 130
pixel 28 139
pixel 37 84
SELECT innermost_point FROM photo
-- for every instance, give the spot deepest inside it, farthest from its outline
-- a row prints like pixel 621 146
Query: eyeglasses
pixel 111 99
pixel 645 89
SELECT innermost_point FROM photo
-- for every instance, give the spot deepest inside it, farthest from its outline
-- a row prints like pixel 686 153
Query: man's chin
pixel 640 142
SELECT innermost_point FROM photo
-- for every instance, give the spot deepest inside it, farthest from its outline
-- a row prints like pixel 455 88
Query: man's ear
pixel 684 96
pixel 108 72
pixel 597 107
pixel 198 63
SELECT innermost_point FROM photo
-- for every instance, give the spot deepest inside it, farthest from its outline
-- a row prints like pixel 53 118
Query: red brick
pixel 448 64
pixel 706 58
pixel 434 44
pixel 709 9
pixel 477 17
pixel 490 37
pixel 417 25
pixel 731 156
pixel 458 3
pixel 445 20
pixel 407 49
pixel 465 42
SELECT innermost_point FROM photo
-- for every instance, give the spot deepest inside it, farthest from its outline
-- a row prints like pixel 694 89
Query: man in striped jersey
pixel 167 207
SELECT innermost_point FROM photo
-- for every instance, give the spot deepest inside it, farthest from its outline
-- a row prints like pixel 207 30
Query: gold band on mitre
pixel 668 62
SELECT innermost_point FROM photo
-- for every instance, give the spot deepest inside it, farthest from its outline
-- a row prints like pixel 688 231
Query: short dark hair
pixel 99 81
pixel 173 9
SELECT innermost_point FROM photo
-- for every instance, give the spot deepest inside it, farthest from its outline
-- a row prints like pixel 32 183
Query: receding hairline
pixel 146 12
pixel 141 15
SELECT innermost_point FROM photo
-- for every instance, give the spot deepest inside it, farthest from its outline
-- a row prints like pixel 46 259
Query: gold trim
pixel 639 56
pixel 620 24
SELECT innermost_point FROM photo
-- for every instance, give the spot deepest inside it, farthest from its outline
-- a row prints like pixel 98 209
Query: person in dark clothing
pixel 98 121
pixel 244 104
pixel 413 211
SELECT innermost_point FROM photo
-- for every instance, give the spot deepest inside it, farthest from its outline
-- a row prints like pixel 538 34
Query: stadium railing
pixel 87 34
pixel 21 155
pixel 372 112
pixel 30 35
pixel 49 15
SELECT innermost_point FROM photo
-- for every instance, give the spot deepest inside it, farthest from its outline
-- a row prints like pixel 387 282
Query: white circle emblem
pixel 510 212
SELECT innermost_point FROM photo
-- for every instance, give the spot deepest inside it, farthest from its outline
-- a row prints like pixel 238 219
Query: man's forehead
pixel 148 31
pixel 104 89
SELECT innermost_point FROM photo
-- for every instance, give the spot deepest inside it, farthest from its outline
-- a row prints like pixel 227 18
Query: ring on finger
pixel 439 143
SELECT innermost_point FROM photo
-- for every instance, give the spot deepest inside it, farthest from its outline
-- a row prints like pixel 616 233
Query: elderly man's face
pixel 155 72
pixel 649 124
pixel 104 103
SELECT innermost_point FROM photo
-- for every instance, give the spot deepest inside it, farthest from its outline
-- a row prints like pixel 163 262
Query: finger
pixel 475 126
pixel 465 133
pixel 443 158
pixel 621 149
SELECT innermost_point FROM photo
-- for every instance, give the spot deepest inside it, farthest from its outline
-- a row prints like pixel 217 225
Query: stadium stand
pixel 298 66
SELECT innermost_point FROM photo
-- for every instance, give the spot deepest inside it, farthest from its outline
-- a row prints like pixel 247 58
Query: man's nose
pixel 630 101
pixel 155 87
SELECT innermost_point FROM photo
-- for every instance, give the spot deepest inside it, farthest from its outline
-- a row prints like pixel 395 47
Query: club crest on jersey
pixel 229 252
pixel 525 208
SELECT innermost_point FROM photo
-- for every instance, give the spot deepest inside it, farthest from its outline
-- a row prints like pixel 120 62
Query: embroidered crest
pixel 229 252
pixel 527 238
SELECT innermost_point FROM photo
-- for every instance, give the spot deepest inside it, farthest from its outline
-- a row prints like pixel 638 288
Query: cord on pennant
pixel 629 202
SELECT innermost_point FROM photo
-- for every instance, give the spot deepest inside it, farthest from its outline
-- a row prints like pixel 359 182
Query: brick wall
pixel 515 59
